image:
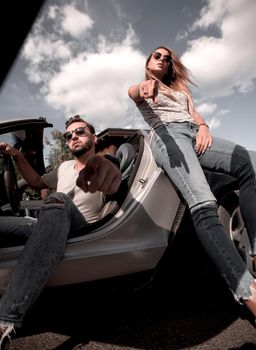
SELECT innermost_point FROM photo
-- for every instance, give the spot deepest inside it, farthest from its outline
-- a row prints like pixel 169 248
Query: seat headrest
pixel 125 154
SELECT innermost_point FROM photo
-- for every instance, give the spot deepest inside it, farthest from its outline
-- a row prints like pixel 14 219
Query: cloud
pixel 206 108
pixel 75 22
pixel 89 77
pixel 38 49
pixel 212 113
pixel 225 62
pixel 96 84
pixel 82 70
pixel 52 12
pixel 214 123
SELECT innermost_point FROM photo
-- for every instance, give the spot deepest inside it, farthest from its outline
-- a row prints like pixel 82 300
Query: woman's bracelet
pixel 204 125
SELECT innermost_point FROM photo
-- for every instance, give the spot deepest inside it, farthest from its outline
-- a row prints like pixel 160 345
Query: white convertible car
pixel 135 229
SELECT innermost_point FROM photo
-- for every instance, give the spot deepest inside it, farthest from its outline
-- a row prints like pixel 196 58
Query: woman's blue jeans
pixel 173 149
pixel 59 219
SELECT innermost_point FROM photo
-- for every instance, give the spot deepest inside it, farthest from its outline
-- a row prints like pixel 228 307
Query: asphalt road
pixel 78 318
pixel 186 306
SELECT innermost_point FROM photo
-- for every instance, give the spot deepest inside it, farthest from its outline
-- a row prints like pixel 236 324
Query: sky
pixel 81 56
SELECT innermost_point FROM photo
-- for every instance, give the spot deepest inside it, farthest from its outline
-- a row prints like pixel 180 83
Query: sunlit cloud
pixel 206 108
pixel 218 63
pixel 91 78
pixel 224 63
pixel 214 123
pixel 75 22
pixel 52 12
pixel 96 84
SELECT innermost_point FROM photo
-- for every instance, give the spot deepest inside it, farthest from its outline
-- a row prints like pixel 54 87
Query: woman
pixel 183 145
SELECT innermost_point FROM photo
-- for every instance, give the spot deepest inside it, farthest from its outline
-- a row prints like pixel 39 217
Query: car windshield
pixel 8 138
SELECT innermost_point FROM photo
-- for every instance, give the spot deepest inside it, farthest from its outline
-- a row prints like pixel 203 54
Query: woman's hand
pixel 148 89
pixel 203 139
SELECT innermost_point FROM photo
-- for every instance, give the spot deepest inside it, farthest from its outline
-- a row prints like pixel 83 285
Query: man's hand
pixel 8 149
pixel 100 174
pixel 26 170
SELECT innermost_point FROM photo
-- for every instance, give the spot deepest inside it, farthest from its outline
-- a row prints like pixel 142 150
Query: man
pixel 81 184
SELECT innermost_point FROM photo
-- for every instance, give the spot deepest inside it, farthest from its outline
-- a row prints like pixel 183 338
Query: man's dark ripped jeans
pixel 59 219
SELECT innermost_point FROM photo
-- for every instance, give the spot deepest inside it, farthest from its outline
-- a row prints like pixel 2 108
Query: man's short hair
pixel 78 118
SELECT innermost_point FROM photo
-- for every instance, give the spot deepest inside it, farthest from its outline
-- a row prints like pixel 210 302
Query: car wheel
pixel 11 187
pixel 231 219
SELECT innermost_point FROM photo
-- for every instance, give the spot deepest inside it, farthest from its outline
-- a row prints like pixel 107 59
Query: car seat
pixel 126 156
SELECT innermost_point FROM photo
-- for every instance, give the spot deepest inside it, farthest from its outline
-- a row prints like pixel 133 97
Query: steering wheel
pixel 10 182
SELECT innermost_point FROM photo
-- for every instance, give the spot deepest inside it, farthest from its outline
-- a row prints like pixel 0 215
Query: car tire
pixel 231 218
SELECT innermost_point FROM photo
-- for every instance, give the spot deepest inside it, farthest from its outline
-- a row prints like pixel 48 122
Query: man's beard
pixel 82 149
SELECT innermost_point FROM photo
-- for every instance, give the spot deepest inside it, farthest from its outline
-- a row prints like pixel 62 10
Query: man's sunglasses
pixel 81 131
pixel 158 55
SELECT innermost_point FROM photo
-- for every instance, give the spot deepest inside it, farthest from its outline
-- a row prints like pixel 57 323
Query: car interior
pixel 16 198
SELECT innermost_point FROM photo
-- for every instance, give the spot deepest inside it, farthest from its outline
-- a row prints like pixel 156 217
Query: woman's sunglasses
pixel 78 131
pixel 158 55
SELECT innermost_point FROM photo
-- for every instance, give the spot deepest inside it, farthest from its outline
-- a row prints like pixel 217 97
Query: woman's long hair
pixel 176 78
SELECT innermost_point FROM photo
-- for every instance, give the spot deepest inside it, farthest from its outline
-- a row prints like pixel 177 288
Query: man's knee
pixel 57 198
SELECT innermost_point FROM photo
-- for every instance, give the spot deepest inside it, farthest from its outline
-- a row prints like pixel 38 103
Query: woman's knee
pixel 205 210
pixel 210 204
